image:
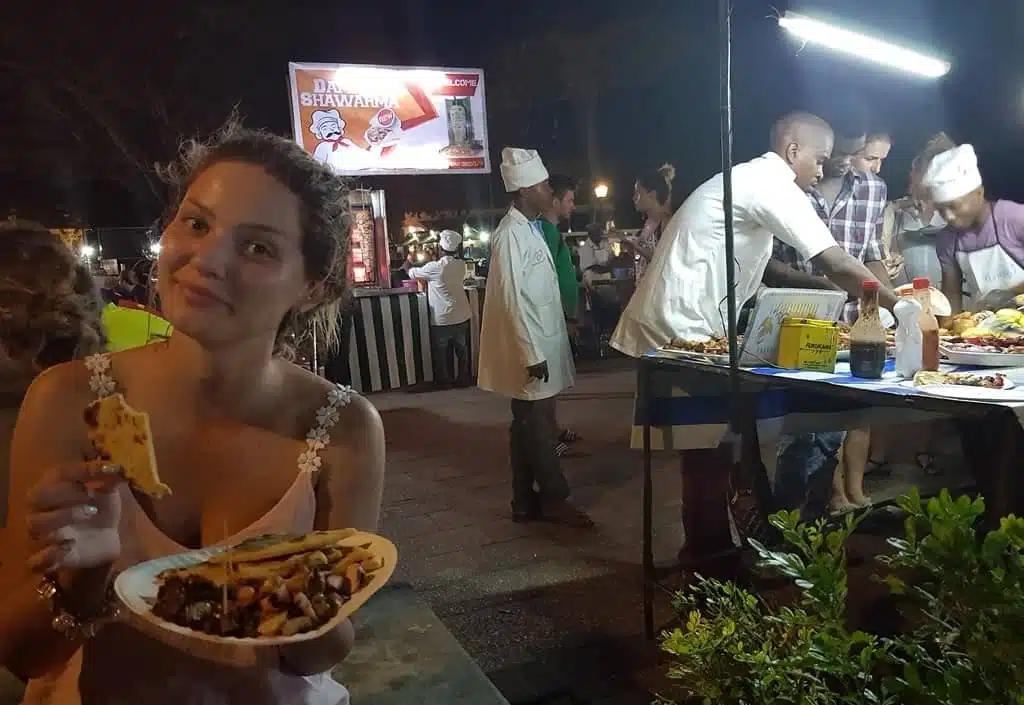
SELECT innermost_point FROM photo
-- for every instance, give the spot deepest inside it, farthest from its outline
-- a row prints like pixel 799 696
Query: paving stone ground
pixel 543 609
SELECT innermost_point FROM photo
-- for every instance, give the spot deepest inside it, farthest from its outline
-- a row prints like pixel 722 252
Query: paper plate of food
pixel 975 386
pixel 984 349
pixel 269 590
pixel 266 591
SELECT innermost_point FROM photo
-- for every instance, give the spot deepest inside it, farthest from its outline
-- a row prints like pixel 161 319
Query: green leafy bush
pixel 966 645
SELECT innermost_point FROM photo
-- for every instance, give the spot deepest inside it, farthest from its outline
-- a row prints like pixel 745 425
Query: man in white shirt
pixel 449 310
pixel 524 345
pixel 683 293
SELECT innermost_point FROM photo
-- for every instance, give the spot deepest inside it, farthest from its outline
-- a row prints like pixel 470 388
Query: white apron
pixel 990 269
pixel 523 320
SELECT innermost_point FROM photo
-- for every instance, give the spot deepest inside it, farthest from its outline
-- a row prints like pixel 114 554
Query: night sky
pixel 77 76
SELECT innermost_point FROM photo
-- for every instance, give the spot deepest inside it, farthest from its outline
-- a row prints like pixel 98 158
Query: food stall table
pixel 779 401
pixel 387 346
pixel 388 342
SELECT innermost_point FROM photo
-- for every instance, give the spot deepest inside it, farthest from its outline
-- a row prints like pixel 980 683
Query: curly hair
pixel 50 311
pixel 324 217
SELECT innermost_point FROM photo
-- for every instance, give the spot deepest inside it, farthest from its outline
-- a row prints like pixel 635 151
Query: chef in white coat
pixel 524 344
pixel 981 251
pixel 683 293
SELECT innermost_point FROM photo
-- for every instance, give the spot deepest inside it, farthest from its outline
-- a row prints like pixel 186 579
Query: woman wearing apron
pixel 982 250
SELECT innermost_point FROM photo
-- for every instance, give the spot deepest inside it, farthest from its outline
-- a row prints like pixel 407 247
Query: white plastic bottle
pixel 909 339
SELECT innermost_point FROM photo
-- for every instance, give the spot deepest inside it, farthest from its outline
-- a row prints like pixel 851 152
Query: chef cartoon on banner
pixel 367 120
pixel 328 127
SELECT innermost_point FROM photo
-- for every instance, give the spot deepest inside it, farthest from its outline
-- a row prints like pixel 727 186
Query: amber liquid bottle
pixel 867 336
pixel 929 325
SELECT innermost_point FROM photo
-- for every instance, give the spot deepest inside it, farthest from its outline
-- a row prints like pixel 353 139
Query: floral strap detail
pixel 100 381
pixel 320 435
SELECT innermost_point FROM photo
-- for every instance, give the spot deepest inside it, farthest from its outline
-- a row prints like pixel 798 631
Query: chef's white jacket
pixel 449 304
pixel 523 321
pixel 683 293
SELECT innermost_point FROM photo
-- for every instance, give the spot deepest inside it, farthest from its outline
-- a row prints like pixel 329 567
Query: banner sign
pixel 378 120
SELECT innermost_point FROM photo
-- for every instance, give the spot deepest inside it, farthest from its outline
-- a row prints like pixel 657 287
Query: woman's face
pixel 231 265
pixel 643 200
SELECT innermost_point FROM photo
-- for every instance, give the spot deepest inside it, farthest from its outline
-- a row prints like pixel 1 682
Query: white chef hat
pixel 952 174
pixel 521 168
pixel 450 240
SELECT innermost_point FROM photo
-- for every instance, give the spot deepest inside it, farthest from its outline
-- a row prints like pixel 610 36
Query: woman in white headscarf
pixel 982 249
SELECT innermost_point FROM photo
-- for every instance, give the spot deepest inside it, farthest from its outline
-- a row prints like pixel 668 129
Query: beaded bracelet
pixel 70 625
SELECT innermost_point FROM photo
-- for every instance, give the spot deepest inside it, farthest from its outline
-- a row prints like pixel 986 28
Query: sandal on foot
pixel 569 436
pixel 561 449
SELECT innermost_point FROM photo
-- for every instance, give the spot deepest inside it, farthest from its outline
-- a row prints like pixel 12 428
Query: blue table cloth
pixel 689 408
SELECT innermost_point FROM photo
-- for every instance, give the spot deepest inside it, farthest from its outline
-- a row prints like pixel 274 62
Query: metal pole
pixel 725 86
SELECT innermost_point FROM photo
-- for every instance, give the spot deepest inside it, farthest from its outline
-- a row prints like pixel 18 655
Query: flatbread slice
pixel 264 548
pixel 962 379
pixel 218 574
pixel 122 436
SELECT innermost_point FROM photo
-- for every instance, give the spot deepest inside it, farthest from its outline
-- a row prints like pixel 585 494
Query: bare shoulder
pixel 358 419
pixel 50 429
pixel 350 484
pixel 60 391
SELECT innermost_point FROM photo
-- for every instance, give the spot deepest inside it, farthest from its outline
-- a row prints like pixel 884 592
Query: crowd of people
pixel 810 213
pixel 255 250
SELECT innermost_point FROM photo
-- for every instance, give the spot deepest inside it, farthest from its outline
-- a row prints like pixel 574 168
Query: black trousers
pixel 532 439
pixel 446 341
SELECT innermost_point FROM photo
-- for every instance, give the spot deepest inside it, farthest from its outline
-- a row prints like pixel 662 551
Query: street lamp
pixel 87 251
pixel 601 190
pixel 863 46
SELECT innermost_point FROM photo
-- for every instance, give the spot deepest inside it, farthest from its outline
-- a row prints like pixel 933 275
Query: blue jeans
pixel 803 475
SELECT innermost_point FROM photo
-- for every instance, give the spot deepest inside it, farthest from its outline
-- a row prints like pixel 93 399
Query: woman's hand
pixel 74 512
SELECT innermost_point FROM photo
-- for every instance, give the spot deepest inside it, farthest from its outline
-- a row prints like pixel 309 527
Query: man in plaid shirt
pixel 852 203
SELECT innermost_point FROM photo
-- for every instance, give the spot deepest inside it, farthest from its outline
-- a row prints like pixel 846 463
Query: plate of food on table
pixel 714 350
pixel 985 339
pixel 268 590
pixel 977 386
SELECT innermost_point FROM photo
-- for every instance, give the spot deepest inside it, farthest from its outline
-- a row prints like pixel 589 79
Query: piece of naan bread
pixel 122 436
pixel 265 548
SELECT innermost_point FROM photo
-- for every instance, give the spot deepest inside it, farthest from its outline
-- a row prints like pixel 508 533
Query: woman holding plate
pixel 254 248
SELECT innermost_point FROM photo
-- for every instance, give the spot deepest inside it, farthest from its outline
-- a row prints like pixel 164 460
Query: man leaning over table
pixel 851 202
pixel 981 250
pixel 683 294
pixel 524 346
